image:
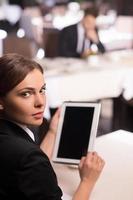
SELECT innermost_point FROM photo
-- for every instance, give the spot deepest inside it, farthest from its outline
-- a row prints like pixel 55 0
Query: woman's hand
pixel 47 144
pixel 54 122
pixel 90 167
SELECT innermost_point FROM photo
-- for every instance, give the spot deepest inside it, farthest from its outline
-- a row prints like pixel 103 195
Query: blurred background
pixel 38 22
pixel 32 28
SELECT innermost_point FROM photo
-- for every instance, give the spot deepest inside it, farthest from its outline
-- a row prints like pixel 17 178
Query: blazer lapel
pixel 10 128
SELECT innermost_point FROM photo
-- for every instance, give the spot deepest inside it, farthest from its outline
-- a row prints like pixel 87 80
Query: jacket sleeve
pixel 101 47
pixel 67 43
pixel 36 177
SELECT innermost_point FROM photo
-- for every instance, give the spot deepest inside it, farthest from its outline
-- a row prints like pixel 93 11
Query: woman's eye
pixel 26 94
pixel 43 90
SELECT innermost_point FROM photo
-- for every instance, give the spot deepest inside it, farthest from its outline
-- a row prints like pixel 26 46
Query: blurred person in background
pixel 81 39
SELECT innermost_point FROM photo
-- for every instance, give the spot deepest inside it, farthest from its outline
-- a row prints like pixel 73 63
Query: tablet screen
pixel 76 131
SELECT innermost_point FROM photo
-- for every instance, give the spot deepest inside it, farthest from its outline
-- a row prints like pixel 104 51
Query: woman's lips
pixel 38 115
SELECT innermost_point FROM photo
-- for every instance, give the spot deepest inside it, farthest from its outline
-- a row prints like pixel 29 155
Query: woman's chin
pixel 37 122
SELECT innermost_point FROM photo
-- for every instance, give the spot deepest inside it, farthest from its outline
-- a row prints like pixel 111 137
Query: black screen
pixel 75 132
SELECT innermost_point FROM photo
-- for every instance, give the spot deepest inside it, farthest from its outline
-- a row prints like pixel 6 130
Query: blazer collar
pixel 10 128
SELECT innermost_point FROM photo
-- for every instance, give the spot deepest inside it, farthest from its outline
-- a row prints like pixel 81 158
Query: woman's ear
pixel 1 105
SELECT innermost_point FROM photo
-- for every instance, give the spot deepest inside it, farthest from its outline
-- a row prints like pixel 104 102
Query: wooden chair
pixel 122 114
pixel 13 44
pixel 51 37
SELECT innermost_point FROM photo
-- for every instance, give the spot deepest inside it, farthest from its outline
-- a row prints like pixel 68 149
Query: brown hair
pixel 13 69
pixel 92 10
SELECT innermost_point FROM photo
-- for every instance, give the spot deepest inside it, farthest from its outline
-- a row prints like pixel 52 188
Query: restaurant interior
pixel 32 29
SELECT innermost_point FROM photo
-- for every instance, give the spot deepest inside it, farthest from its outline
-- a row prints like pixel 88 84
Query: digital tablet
pixel 76 131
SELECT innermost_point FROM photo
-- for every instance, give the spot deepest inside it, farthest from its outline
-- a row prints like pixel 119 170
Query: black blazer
pixel 25 171
pixel 68 39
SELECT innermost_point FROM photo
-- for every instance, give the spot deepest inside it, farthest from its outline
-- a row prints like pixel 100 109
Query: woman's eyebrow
pixel 30 88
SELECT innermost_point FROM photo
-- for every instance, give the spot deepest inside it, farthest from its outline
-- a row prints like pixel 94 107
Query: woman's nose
pixel 39 100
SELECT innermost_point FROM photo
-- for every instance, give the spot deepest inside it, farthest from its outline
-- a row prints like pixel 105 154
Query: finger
pixel 91 156
pixel 82 161
pixel 96 160
pixel 57 113
pixel 101 163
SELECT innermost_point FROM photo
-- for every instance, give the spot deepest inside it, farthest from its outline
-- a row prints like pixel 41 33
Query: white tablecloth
pixel 101 76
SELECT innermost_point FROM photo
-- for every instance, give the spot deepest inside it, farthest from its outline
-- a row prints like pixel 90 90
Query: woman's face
pixel 25 103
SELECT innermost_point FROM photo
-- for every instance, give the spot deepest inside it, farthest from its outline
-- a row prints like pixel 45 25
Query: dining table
pixel 116 179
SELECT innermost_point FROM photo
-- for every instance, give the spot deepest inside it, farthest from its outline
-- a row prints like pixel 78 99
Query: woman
pixel 25 169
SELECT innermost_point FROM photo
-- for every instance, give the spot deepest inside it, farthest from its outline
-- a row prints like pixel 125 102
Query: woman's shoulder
pixel 15 142
pixel 16 151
